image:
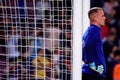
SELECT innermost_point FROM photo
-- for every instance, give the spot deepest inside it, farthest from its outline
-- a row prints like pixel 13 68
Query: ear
pixel 95 17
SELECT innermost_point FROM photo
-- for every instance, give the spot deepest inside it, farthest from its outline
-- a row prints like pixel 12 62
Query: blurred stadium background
pixel 36 38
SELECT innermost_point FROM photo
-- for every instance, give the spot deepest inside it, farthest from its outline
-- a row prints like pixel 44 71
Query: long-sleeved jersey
pixel 92 51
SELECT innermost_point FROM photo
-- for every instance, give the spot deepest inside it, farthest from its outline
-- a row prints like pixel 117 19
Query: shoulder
pixel 92 31
pixel 94 28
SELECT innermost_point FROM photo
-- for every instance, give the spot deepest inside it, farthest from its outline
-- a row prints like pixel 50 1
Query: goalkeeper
pixel 94 67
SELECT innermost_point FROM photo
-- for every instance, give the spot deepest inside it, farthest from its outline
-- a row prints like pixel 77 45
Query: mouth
pixel 104 21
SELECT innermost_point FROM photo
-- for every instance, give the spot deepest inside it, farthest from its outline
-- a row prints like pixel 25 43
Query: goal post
pixel 77 38
pixel 80 24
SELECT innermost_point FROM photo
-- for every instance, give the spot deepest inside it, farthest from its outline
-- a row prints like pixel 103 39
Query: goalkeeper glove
pixel 98 69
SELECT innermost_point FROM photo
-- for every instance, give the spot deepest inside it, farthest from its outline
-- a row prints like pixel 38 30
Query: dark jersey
pixel 92 51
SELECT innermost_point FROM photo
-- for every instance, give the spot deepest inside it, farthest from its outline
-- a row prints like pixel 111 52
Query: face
pixel 100 18
pixel 117 58
pixel 67 51
pixel 40 52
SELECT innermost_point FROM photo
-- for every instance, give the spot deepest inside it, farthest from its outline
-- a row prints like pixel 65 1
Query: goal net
pixel 36 39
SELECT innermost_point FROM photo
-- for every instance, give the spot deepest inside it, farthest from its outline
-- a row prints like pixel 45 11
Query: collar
pixel 95 26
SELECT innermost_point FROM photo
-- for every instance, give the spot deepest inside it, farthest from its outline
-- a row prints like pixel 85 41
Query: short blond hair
pixel 93 10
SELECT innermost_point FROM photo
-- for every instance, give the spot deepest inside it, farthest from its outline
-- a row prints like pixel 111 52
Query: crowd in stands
pixel 36 39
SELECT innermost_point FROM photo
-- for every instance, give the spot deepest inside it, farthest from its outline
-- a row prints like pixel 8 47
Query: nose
pixel 104 17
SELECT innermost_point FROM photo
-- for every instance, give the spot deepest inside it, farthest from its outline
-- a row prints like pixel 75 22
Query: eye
pixel 103 15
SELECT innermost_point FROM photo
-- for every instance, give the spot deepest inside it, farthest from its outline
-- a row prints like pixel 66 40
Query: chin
pixel 103 24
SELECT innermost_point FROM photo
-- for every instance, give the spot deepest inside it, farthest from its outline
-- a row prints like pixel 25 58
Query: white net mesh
pixel 35 39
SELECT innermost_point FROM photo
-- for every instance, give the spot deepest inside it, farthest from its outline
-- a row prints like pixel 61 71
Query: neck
pixel 95 24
